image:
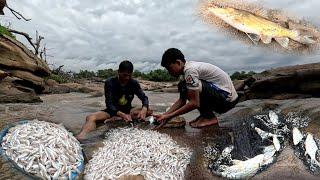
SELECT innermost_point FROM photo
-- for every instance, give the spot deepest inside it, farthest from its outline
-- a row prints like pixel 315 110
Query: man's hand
pixel 163 119
pixel 125 117
pixel 142 114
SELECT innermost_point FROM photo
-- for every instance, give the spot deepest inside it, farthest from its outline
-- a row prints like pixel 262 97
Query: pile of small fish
pixel 43 149
pixel 272 132
pixel 132 151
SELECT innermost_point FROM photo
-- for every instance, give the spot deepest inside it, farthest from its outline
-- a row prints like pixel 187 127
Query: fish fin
pixel 307 39
pixel 302 38
pixel 253 37
pixel 266 39
pixel 283 41
pixel 263 13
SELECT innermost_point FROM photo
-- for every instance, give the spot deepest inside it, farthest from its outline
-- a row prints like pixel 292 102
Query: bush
pixel 4 30
pixel 159 75
pixel 106 73
pixel 58 78
pixel 241 75
pixel 85 74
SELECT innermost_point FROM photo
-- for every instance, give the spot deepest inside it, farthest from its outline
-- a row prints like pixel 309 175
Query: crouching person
pixel 119 93
pixel 204 87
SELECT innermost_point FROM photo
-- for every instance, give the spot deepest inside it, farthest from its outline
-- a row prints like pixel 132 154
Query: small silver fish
pixel 263 134
pixel 268 152
pixel 276 142
pixel 150 119
pixel 274 118
pixel 296 136
pixel 311 149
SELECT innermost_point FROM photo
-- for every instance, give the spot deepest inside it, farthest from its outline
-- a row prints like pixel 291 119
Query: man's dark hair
pixel 126 66
pixel 170 56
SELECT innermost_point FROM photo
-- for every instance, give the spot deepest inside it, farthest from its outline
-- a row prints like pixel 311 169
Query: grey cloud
pixel 99 34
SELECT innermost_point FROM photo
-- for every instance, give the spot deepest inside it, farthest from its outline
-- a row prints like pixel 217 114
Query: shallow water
pixel 71 110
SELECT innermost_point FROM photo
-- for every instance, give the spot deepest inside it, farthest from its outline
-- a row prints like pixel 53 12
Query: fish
pixel 273 118
pixel 258 28
pixel 263 134
pixel 150 119
pixel 42 148
pixel 130 151
pixel 226 151
pixel 296 136
pixel 311 149
pixel 242 169
pixel 276 142
pixel 268 152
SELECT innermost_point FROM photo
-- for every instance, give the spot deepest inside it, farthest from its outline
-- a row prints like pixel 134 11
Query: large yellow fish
pixel 257 27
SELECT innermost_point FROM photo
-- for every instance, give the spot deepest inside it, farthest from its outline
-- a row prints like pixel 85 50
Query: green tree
pixel 241 75
pixel 159 75
pixel 106 73
pixel 85 74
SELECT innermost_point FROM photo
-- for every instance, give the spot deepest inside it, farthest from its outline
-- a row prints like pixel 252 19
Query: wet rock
pixel 286 82
pixel 12 93
pixel 239 84
pixel 51 82
pixel 30 80
pixel 158 86
pixel 94 90
pixel 57 89
pixel 3 74
pixel 97 94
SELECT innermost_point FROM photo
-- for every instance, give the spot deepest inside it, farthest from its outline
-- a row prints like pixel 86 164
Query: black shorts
pixel 211 98
pixel 123 109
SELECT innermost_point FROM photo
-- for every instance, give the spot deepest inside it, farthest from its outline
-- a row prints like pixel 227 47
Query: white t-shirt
pixel 196 71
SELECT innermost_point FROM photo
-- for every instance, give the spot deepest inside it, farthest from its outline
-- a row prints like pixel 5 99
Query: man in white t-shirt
pixel 206 87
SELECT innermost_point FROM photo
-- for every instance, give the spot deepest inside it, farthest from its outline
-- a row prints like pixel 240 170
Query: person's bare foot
pixel 80 137
pixel 196 119
pixel 203 122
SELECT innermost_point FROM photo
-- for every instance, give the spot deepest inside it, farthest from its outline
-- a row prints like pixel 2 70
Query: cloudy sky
pixel 97 34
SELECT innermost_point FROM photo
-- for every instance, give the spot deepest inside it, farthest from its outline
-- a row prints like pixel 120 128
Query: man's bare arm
pixel 178 104
pixel 194 103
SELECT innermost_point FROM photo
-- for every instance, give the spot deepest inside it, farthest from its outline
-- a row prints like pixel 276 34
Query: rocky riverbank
pixel 72 108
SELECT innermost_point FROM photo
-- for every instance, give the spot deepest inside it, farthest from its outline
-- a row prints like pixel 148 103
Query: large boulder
pixel 15 56
pixel 285 82
pixel 11 92
pixel 21 72
pixel 3 74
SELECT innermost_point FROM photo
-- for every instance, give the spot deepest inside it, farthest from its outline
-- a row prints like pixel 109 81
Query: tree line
pixel 158 75
pixel 154 75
